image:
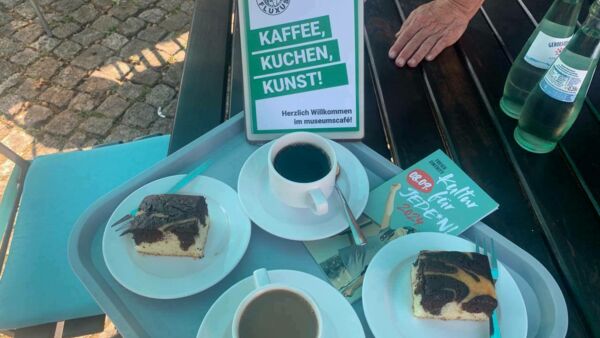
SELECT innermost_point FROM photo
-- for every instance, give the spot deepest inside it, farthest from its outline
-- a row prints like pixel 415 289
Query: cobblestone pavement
pixel 103 76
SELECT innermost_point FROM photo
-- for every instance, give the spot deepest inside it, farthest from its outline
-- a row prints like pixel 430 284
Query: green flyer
pixel 303 67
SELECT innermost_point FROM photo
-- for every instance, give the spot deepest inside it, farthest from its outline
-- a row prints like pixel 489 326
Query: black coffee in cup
pixel 302 163
pixel 278 314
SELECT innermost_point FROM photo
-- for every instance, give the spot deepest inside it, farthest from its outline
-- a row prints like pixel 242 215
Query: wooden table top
pixel 548 203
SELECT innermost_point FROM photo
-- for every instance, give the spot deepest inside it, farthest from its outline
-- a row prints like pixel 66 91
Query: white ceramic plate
pixel 174 277
pixel 387 298
pixel 340 320
pixel 273 216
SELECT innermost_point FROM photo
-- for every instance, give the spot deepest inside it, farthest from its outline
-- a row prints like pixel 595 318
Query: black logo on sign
pixel 273 7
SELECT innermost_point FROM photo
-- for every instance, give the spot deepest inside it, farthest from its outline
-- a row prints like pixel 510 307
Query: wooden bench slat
pixel 375 136
pixel 408 118
pixel 236 97
pixel 566 216
pixel 201 103
pixel 83 326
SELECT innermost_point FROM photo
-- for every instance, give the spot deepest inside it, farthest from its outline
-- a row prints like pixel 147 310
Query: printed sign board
pixel 303 67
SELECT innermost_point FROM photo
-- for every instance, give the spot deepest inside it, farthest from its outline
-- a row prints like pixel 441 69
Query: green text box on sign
pixel 300 81
pixel 292 58
pixel 289 34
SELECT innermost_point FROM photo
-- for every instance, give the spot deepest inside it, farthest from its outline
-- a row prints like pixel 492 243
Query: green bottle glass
pixel 554 104
pixel 539 53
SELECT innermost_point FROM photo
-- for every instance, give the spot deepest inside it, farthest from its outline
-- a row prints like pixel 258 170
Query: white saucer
pixel 387 298
pixel 273 216
pixel 339 318
pixel 175 277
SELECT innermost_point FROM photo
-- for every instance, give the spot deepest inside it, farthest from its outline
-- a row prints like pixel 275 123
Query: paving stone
pixel 25 10
pixel 170 109
pixel 97 86
pixel 146 77
pixel 85 14
pixel 30 89
pixel 130 91
pixel 123 133
pixel 155 57
pixel 90 143
pixel 115 41
pixel 5 127
pixel 104 4
pixel 134 47
pixel 76 141
pixel 12 27
pixel 162 126
pixel 69 76
pixel 4 18
pixel 144 3
pixel 18 140
pixel 6 69
pixel 140 115
pixel 153 15
pixel 57 95
pixel 169 5
pixel 83 102
pixel 8 46
pixel 25 56
pixel 67 50
pixel 105 23
pixel 34 116
pixel 11 104
pixel 44 68
pixel 179 57
pixel 160 95
pixel 45 44
pixel 87 36
pixel 131 26
pixel 51 142
pixel 64 123
pixel 115 70
pixel 172 76
pixel 67 6
pixel 176 21
pixel 124 10
pixel 152 34
pixel 182 39
pixel 187 6
pixel 92 57
pixel 169 46
pixel 66 29
pixel 97 125
pixel 10 82
pixel 29 33
pixel 113 106
pixel 9 4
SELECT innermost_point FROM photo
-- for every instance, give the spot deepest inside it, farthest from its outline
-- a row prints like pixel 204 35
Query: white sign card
pixel 303 67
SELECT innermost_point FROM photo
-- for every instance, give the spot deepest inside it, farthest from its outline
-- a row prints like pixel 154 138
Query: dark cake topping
pixel 179 214
pixel 437 285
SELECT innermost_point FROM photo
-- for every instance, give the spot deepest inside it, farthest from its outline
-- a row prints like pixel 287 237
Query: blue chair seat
pixel 37 285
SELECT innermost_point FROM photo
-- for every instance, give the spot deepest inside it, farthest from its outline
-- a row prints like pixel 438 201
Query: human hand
pixel 430 28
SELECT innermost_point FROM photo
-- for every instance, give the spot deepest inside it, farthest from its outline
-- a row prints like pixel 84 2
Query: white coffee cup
pixel 263 285
pixel 311 195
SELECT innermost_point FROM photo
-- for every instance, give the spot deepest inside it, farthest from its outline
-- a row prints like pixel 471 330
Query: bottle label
pixel 545 49
pixel 563 82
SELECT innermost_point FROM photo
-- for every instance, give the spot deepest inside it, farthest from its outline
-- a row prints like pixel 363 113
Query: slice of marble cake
pixel 171 225
pixel 452 285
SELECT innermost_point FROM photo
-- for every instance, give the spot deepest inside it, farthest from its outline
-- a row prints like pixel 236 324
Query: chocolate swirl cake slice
pixel 453 285
pixel 171 225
